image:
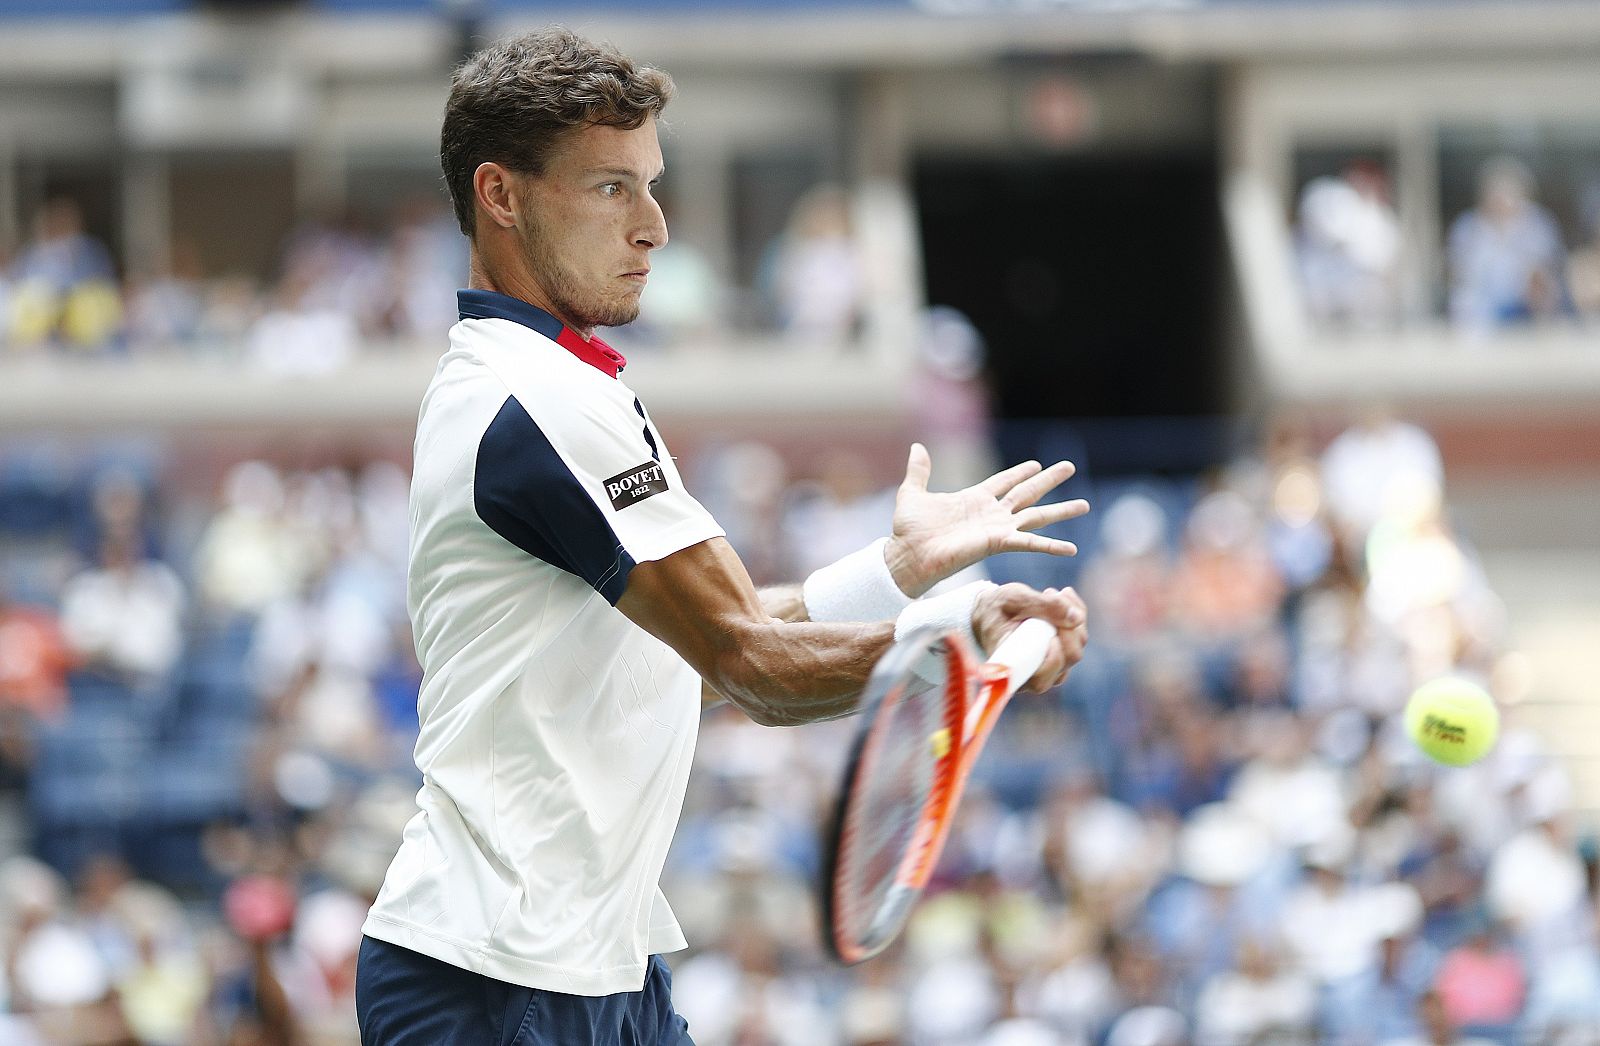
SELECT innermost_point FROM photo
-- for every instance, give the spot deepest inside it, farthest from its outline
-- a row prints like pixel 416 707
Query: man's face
pixel 590 221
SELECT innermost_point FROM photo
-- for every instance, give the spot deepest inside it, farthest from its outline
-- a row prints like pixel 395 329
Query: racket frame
pixel 922 853
pixel 975 696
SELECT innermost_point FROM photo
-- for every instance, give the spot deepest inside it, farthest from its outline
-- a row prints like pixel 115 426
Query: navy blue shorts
pixel 404 998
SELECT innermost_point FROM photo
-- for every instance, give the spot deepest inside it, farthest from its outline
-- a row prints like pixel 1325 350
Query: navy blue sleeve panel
pixel 648 438
pixel 527 495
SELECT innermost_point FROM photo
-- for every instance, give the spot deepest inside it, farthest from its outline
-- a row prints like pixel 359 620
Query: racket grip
pixel 1023 651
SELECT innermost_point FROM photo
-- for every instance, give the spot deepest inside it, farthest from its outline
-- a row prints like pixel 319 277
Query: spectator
pixel 1149 1026
pixel 1298 539
pixel 1109 857
pixel 415 275
pixel 1327 922
pixel 34 659
pixel 65 291
pixel 818 278
pixel 1349 248
pixel 1214 911
pixel 686 300
pixel 741 993
pixel 1377 467
pixel 1564 998
pixel 57 978
pixel 1224 585
pixel 1259 1000
pixel 1505 255
pixel 249 555
pixel 1437 1028
pixel 1129 581
pixel 950 399
pixel 124 618
pixel 1071 986
pixel 954 999
pixel 1535 882
pixel 1380 1003
pixel 844 509
pixel 299 335
pixel 230 310
pixel 1481 983
pixel 166 308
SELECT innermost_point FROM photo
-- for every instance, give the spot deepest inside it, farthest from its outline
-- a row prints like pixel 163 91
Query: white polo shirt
pixel 556 735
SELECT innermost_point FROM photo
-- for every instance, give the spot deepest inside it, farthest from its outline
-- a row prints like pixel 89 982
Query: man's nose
pixel 652 233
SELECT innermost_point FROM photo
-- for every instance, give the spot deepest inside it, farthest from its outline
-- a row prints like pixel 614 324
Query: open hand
pixel 937 534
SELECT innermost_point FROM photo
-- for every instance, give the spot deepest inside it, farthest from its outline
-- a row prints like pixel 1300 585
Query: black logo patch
pixel 636 484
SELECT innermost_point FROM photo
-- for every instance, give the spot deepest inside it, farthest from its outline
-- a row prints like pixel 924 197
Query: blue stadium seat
pixel 90 767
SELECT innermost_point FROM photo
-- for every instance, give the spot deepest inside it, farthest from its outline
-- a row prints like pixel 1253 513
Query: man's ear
pixel 495 189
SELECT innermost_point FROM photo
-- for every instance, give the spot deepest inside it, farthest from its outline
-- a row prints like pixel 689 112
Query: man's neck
pixel 505 280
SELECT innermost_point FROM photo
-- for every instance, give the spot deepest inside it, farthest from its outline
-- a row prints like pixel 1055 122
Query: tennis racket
pixel 926 712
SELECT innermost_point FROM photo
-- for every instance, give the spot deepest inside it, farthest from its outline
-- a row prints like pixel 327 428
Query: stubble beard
pixel 575 305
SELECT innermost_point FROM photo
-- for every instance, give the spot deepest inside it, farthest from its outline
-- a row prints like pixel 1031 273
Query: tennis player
pixel 571 601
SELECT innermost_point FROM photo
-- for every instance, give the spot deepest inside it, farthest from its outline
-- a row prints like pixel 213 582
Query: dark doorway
pixel 1096 281
pixel 248 196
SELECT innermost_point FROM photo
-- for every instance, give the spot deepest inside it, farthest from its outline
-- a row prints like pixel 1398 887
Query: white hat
pixel 1222 845
pixel 1149 1026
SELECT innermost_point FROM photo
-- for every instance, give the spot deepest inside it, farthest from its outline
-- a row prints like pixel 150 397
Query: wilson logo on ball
pixel 1444 730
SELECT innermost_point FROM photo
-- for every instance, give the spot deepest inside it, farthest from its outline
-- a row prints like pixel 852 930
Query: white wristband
pixel 858 587
pixel 948 612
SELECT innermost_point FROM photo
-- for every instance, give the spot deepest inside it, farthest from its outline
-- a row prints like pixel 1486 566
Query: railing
pixel 385 383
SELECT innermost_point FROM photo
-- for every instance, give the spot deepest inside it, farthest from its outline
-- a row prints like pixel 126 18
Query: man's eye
pixel 612 188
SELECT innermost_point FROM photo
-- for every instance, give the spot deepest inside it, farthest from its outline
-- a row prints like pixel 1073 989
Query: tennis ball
pixel 1453 720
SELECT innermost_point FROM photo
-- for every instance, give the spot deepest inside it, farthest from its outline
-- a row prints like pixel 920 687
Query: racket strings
pixel 927 710
pixel 900 771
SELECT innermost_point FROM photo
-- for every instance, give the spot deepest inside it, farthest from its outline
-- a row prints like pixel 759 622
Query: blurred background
pixel 1310 291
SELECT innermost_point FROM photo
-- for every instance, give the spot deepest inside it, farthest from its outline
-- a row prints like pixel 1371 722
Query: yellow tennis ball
pixel 939 741
pixel 1453 720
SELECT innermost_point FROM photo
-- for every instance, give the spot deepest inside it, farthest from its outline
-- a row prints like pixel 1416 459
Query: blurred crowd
pixel 1213 834
pixel 343 285
pixel 338 283
pixel 1216 833
pixel 1506 260
pixel 206 713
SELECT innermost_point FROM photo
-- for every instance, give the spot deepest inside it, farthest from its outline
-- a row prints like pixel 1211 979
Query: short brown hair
pixel 512 103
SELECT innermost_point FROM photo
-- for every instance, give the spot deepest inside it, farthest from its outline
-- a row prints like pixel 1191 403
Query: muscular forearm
pixel 700 602
pixel 783 602
pixel 788 673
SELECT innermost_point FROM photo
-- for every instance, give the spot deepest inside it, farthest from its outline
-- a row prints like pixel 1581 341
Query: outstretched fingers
pixel 1003 482
pixel 1045 515
pixel 1017 541
pixel 1030 490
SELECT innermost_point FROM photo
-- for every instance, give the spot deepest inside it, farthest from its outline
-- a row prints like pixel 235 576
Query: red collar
pixel 594 352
